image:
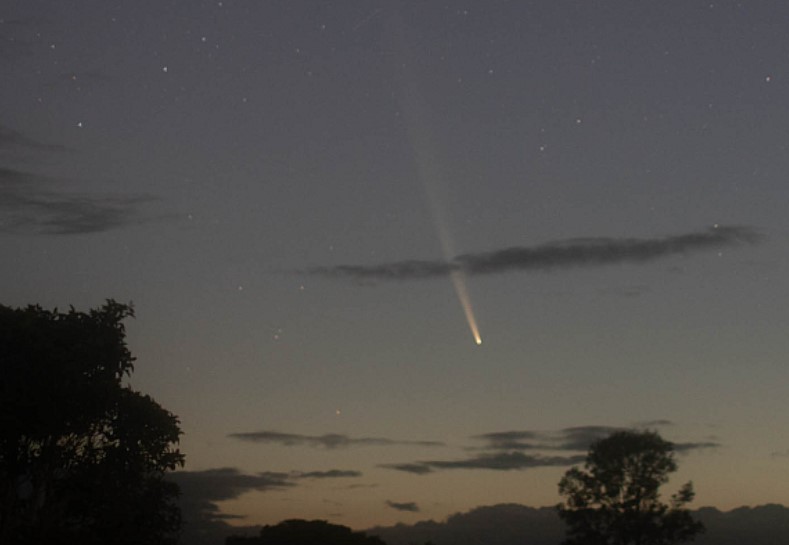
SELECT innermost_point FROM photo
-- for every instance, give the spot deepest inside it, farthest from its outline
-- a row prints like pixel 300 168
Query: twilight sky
pixel 315 206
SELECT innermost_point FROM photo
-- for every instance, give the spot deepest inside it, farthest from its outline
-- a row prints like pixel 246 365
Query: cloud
pixel 578 438
pixel 331 474
pixel 506 461
pixel 683 448
pixel 511 440
pixel 11 140
pixel 573 439
pixel 582 437
pixel 565 254
pixel 35 204
pixel 418 468
pixel 500 461
pixel 329 441
pixel 410 506
pixel 29 205
pixel 202 490
pixel 654 423
pixel 504 450
pixel 213 485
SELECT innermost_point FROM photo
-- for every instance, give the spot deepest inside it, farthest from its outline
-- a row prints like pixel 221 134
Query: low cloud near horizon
pixel 201 491
pixel 563 254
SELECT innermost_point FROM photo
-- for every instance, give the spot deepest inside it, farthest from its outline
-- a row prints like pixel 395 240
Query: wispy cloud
pixel 409 506
pixel 330 474
pixel 511 440
pixel 684 448
pixel 358 486
pixel 573 439
pixel 659 423
pixel 499 461
pixel 565 254
pixel 417 468
pixel 11 140
pixel 29 205
pixel 527 449
pixel 329 441
pixel 576 439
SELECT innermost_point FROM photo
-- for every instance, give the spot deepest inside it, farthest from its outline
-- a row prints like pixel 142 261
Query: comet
pixel 459 282
pixel 427 162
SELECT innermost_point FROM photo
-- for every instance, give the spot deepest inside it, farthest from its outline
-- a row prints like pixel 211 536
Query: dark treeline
pixel 515 524
pixel 306 532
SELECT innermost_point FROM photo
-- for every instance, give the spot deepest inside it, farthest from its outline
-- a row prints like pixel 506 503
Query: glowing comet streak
pixel 432 179
pixel 458 277
pixel 460 288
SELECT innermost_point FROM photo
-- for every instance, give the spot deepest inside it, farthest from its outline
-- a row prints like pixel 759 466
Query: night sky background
pixel 299 197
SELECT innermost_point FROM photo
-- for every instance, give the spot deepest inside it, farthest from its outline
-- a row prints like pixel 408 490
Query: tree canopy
pixel 82 455
pixel 306 532
pixel 615 498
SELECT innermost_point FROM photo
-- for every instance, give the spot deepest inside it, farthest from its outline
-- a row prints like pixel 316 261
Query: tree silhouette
pixel 615 499
pixel 306 532
pixel 82 457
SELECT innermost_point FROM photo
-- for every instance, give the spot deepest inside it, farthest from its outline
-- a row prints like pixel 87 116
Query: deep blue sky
pixel 271 182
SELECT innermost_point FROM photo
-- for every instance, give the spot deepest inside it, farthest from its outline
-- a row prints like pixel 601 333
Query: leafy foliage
pixel 82 456
pixel 615 499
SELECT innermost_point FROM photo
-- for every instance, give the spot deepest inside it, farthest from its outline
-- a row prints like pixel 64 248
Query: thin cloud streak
pixel 684 448
pixel 581 252
pixel 409 507
pixel 577 438
pixel 328 441
pixel 330 474
pixel 502 461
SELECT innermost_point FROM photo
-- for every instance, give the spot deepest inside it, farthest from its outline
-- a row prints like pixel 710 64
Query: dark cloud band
pixel 499 461
pixel 202 490
pixel 584 252
pixel 410 507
